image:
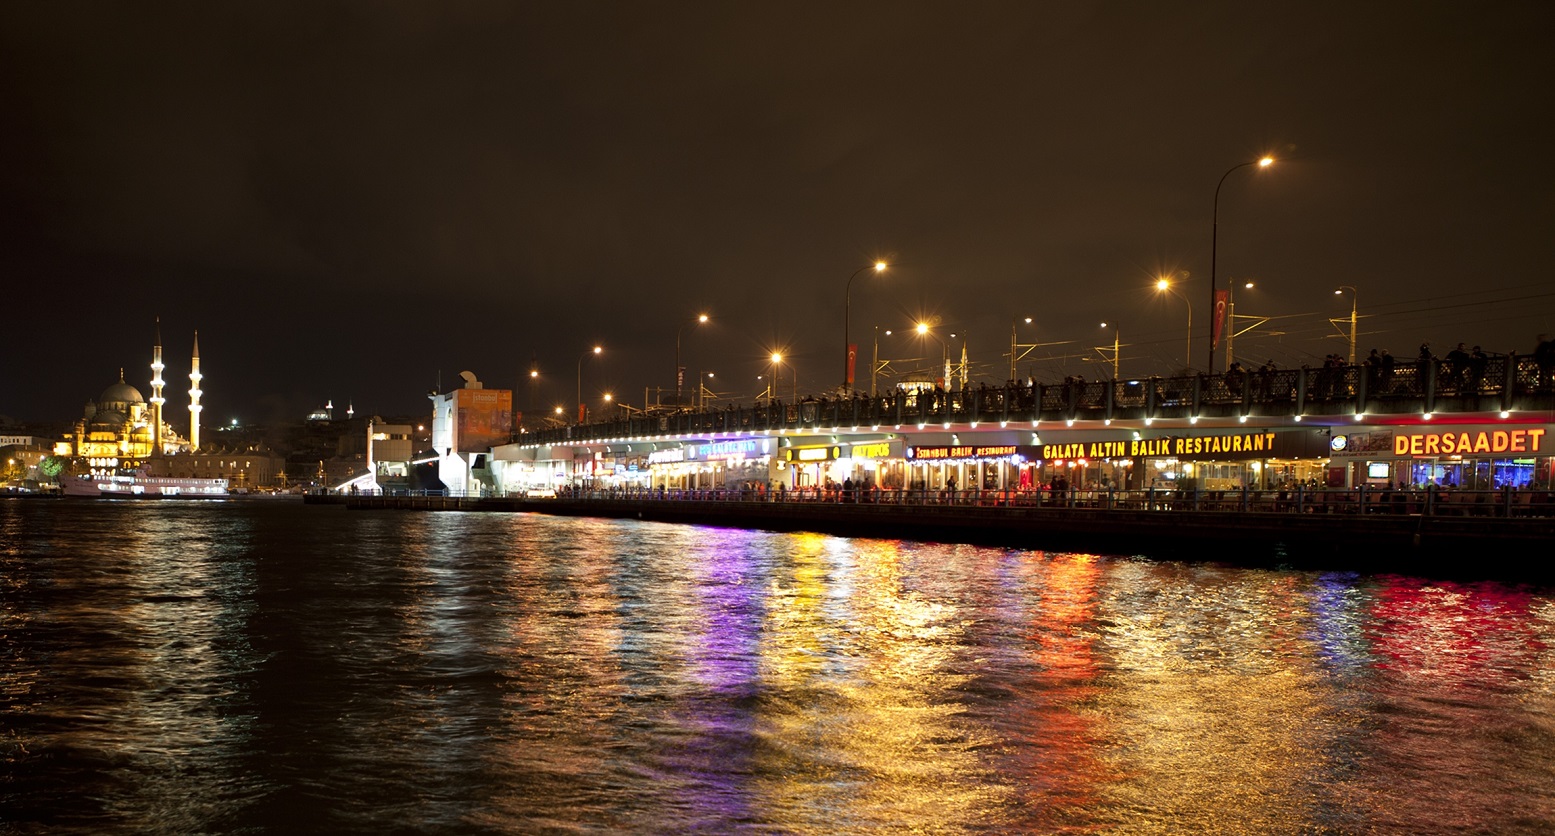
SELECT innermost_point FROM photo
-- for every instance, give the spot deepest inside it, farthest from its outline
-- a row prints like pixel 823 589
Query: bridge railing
pixel 1496 384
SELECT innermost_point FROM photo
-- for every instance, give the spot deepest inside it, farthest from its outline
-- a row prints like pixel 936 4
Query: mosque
pixel 122 429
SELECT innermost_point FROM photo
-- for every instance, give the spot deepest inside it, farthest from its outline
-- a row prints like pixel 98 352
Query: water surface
pixel 259 667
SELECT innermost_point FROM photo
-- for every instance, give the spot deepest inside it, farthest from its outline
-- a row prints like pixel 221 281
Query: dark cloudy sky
pixel 351 199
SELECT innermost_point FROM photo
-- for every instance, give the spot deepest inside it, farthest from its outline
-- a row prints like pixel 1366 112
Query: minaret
pixel 156 392
pixel 194 396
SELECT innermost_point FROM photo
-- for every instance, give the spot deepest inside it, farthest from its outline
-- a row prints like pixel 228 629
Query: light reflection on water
pixel 256 667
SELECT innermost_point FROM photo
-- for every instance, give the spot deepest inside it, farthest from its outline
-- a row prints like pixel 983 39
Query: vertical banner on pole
pixel 852 357
pixel 1218 320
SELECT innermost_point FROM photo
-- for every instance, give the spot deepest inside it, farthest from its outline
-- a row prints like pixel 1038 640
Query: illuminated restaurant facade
pixel 1484 455
pixel 1480 456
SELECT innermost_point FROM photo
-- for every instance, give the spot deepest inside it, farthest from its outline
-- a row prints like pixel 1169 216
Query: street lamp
pixel 595 350
pixel 1116 334
pixel 534 379
pixel 875 366
pixel 1231 331
pixel 847 312
pixel 701 318
pixel 1165 284
pixel 1353 303
pixel 777 363
pixel 1213 245
pixel 923 331
pixel 1015 347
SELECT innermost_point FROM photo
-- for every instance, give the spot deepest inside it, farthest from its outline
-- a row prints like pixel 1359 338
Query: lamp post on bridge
pixel 595 351
pixel 1165 285
pixel 1231 318
pixel 847 313
pixel 1214 242
pixel 1116 345
pixel 700 320
pixel 1354 302
pixel 923 331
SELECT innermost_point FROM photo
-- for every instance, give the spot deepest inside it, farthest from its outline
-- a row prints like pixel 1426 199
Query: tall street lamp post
pixel 1015 347
pixel 847 313
pixel 777 363
pixel 534 378
pixel 1214 241
pixel 923 331
pixel 1354 302
pixel 1165 284
pixel 1231 317
pixel 701 319
pixel 595 350
pixel 1116 345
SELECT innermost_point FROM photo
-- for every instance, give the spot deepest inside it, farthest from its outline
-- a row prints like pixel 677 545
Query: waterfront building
pixel 244 468
pixel 390 449
pixel 466 424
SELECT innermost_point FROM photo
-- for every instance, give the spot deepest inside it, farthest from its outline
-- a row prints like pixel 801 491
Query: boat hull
pixel 138 486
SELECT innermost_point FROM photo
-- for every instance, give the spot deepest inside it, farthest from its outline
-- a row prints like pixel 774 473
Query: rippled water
pixel 251 667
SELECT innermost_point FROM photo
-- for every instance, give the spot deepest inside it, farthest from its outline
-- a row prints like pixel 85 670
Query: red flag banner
pixel 1218 321
pixel 852 357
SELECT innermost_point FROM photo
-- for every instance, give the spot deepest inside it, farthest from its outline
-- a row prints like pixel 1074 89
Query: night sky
pixel 353 201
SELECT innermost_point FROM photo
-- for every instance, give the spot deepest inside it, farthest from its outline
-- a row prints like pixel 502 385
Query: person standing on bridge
pixel 1544 357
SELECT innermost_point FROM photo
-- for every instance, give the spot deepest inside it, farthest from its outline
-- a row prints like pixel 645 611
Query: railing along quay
pixel 1505 383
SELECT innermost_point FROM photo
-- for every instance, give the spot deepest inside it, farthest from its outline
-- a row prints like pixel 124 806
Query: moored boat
pixel 137 484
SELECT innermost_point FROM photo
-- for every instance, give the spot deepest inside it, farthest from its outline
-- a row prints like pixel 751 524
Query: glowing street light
pixel 596 350
pixel 923 331
pixel 875 366
pixel 1015 346
pixel 847 312
pixel 1231 331
pixel 777 364
pixel 1265 162
pixel 1354 301
pixel 700 320
pixel 1164 285
pixel 1116 345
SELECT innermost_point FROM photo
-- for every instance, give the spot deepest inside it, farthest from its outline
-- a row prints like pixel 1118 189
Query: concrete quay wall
pixel 1518 549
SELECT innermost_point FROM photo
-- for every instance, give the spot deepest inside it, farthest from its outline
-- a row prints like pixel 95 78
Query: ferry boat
pixel 137 484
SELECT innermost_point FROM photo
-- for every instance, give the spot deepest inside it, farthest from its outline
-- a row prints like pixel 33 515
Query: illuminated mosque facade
pixel 123 429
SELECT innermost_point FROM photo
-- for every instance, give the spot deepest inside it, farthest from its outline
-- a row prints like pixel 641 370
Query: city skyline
pixel 354 201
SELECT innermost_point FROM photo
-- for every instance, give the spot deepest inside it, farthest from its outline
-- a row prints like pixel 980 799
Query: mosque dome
pixel 120 393
pixel 107 419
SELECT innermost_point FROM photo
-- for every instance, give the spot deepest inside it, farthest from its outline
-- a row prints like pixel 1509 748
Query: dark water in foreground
pixel 248 667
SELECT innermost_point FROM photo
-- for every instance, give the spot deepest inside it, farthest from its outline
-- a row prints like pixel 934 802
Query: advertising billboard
pixel 485 418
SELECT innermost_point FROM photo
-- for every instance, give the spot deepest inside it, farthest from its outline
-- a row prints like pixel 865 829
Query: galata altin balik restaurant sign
pixel 1229 446
pixel 1223 446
